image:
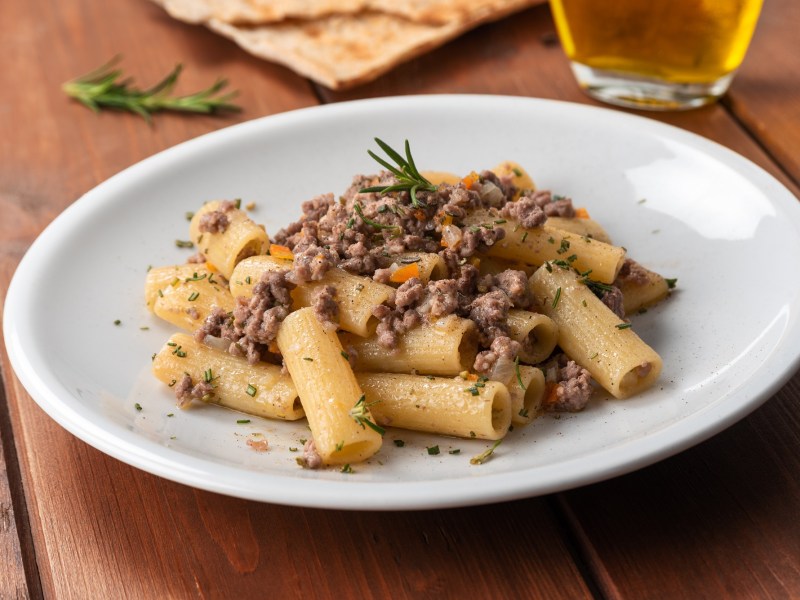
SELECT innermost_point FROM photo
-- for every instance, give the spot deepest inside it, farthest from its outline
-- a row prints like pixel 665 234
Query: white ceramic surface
pixel 682 205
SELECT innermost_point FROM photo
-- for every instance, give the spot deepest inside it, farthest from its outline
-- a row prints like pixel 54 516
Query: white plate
pixel 681 204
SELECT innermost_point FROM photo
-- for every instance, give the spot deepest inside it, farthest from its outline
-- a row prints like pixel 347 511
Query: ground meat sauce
pixel 253 324
pixel 216 221
pixel 573 385
pixel 632 272
pixel 186 391
pixel 363 233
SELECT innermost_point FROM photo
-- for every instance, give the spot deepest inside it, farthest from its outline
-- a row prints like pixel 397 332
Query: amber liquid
pixel 678 41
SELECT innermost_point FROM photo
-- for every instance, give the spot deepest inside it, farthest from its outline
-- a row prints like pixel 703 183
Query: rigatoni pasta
pixel 428 308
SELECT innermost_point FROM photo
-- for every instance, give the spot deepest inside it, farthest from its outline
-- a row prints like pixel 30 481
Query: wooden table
pixel 719 520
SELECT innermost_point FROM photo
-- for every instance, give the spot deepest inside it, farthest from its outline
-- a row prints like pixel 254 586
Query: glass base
pixel 632 91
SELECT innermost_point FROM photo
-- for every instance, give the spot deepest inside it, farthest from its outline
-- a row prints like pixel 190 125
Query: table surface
pixel 719 520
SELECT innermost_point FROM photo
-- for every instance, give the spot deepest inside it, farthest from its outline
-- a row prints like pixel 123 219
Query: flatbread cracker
pixel 258 12
pixel 343 50
pixel 250 12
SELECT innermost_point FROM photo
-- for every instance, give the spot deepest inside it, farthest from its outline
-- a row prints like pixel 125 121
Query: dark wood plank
pixel 765 95
pixel 721 520
pixel 13 582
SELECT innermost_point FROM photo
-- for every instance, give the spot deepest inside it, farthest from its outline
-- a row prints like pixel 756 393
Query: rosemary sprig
pixel 361 416
pixel 408 177
pixel 103 88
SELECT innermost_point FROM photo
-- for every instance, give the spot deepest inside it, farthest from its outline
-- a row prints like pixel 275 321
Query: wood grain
pixel 765 96
pixel 718 520
pixel 721 520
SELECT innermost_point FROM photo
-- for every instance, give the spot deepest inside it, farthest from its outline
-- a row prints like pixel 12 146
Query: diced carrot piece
pixel 448 219
pixel 550 394
pixel 581 213
pixel 281 252
pixel 472 377
pixel 405 273
pixel 470 180
pixel 211 267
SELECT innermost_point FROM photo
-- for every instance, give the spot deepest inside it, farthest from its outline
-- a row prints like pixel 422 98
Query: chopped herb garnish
pixel 308 358
pixel 623 326
pixel 484 456
pixel 433 450
pixel 523 412
pixel 500 221
pixel 455 451
pixel 251 390
pixel 144 328
pixel 572 258
pixel 339 446
pixel 292 449
pixel 473 389
pixel 117 322
pixel 550 240
pixel 671 283
pixel 171 344
pixel 519 376
pixel 557 298
pixel 583 302
pixel 184 244
pixel 399 443
pixel 170 414
pixel 248 280
pixel 516 171
pixel 243 421
pixel 524 236
pixel 208 376
pixel 193 296
pixel 472 434
pixel 564 247
pixel 593 356
pixel 548 267
pixel 642 201
pixel 345 355
pixel 360 415
pixel 375 224
pixel 189 215
pixel 173 382
pixel 347 469
pixel 160 294
pixel 408 177
pixel 137 406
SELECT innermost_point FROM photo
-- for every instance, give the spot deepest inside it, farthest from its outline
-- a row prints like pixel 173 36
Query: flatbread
pixel 250 12
pixel 258 12
pixel 341 51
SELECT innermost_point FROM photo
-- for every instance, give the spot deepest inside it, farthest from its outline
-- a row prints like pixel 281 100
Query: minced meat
pixel 573 385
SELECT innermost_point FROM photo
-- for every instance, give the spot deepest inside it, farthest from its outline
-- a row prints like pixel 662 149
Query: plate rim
pixel 416 495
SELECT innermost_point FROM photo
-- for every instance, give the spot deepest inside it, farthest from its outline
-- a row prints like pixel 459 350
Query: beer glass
pixel 655 54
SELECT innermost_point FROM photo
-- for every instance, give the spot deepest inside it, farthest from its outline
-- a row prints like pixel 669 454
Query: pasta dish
pixel 458 305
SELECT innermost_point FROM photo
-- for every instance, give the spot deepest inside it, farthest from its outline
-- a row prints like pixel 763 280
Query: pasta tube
pixel 239 239
pixel 329 392
pixel 526 399
pixel 536 332
pixel 593 336
pixel 540 244
pixel 260 389
pixel 585 227
pixel 356 296
pixel 430 265
pixel 439 177
pixel 185 295
pixel 636 296
pixel 519 176
pixel 445 347
pixel 439 405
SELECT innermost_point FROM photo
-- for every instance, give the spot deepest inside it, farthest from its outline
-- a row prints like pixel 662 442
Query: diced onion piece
pixel 451 236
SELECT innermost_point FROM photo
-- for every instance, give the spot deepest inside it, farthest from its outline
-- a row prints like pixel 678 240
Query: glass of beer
pixel 655 54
